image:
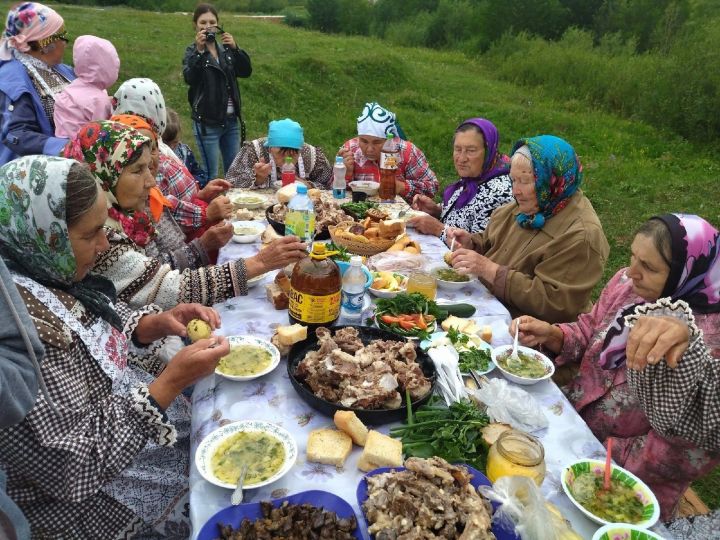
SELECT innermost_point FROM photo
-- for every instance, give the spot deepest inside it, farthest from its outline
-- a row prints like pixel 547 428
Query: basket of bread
pixel 368 237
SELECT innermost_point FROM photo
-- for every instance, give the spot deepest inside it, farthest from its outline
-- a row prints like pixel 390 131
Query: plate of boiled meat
pixel 361 369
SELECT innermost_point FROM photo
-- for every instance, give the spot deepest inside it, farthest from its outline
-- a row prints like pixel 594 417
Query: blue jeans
pixel 216 139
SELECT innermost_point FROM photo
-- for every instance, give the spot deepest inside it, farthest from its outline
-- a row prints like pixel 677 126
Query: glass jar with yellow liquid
pixel 423 283
pixel 516 453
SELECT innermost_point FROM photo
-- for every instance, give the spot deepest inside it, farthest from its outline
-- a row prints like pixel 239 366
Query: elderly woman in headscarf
pixel 543 254
pixel 31 74
pixel 659 317
pixel 361 154
pixel 484 183
pixel 108 457
pixel 194 209
pixel 258 163
pixel 147 261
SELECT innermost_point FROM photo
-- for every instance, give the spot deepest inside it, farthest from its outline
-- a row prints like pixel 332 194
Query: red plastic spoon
pixel 608 466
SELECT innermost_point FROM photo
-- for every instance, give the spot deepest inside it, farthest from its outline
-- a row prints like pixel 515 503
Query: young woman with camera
pixel 210 67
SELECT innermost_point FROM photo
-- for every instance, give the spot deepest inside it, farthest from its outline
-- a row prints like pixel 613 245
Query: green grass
pixel 633 171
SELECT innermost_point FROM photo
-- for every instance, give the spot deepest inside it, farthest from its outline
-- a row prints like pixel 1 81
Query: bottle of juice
pixel 388 169
pixel 300 218
pixel 315 289
pixel 287 171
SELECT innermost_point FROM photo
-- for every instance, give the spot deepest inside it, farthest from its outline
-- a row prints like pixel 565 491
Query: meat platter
pixel 366 405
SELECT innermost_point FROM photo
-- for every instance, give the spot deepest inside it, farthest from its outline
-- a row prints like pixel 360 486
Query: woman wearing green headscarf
pixel 89 466
pixel 138 261
pixel 542 254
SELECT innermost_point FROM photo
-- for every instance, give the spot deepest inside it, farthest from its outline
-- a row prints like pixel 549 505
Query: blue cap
pixel 284 134
pixel 301 188
pixel 338 159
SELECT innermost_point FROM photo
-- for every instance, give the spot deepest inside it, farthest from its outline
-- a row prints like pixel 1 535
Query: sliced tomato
pixel 422 325
pixel 389 319
pixel 407 325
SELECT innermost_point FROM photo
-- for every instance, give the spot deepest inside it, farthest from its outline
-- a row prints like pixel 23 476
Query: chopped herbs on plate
pixel 408 315
pixel 471 358
pixel 358 209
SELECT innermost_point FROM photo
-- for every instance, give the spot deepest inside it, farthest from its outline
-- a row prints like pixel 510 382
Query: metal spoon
pixel 514 360
pixel 237 496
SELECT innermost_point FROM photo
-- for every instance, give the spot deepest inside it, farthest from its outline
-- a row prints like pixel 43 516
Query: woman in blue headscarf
pixel 483 186
pixel 542 254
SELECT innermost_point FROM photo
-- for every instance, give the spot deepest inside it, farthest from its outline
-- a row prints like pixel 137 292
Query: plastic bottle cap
pixel 390 136
pixel 356 260
pixel 288 159
pixel 318 248
pixel 301 188
pixel 339 160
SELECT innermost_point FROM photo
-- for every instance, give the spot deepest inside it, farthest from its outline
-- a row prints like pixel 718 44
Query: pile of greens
pixel 474 358
pixel 358 209
pixel 452 433
pixel 342 254
pixel 407 304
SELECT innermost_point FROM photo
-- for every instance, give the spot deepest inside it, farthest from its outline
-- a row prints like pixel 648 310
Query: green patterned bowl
pixel 624 531
pixel 651 510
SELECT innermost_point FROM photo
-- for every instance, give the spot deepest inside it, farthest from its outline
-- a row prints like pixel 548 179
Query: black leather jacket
pixel 212 82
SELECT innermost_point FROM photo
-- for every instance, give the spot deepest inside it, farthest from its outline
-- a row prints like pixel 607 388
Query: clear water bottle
pixel 353 291
pixel 287 171
pixel 300 218
pixel 339 184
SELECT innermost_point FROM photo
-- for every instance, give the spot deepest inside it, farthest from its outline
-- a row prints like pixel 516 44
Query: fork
pixel 237 496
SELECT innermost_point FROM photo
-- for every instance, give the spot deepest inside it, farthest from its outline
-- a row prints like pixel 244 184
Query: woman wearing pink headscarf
pixel 31 74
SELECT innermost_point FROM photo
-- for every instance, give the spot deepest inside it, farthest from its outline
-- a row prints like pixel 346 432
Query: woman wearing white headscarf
pixel 31 73
pixel 361 154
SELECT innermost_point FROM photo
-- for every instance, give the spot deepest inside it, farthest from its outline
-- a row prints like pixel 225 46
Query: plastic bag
pixel 511 405
pixel 523 505
pixel 397 261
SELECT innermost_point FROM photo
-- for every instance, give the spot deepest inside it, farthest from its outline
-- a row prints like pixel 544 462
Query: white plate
pixel 549 366
pixel 249 200
pixel 426 343
pixel 209 444
pixel 247 238
pixel 449 285
pixel 624 531
pixel 236 341
pixel 382 293
pixel 365 186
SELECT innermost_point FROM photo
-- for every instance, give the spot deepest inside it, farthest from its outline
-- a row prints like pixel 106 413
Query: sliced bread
pixel 380 451
pixel 328 446
pixel 348 422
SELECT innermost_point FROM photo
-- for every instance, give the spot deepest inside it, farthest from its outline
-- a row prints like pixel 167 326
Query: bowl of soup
pixel 246 232
pixel 249 358
pixel 624 531
pixel 449 278
pixel 532 366
pixel 251 201
pixel 268 450
pixel 628 500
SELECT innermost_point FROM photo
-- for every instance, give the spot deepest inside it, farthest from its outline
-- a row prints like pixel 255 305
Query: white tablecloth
pixel 218 401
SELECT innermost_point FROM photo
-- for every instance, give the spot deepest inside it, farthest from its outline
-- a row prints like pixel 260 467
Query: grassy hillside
pixel 632 170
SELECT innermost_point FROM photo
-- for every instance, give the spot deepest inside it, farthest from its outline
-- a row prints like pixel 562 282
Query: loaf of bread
pixel 380 451
pixel 283 281
pixel 348 422
pixel 268 235
pixel 328 446
pixel 390 228
pixel 276 296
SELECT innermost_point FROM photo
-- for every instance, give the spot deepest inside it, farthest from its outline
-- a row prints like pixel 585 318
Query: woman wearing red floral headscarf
pixel 139 263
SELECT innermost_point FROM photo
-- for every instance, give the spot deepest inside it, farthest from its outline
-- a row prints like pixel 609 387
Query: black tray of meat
pixel 280 227
pixel 374 366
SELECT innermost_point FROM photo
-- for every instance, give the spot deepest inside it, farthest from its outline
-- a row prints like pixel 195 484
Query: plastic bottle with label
pixel 339 184
pixel 300 217
pixel 287 171
pixel 388 169
pixel 353 291
pixel 315 289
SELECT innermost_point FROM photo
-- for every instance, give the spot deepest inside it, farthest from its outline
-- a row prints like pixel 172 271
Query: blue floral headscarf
pixel 558 175
pixel 34 236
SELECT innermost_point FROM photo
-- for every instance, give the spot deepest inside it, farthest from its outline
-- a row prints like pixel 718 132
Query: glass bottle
pixel 516 453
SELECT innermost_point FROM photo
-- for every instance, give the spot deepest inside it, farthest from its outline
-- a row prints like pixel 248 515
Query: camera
pixel 210 35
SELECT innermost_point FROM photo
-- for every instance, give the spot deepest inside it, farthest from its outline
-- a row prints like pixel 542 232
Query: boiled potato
pixel 198 329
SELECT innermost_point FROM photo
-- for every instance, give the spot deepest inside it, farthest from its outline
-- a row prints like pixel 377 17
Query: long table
pixel 218 401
